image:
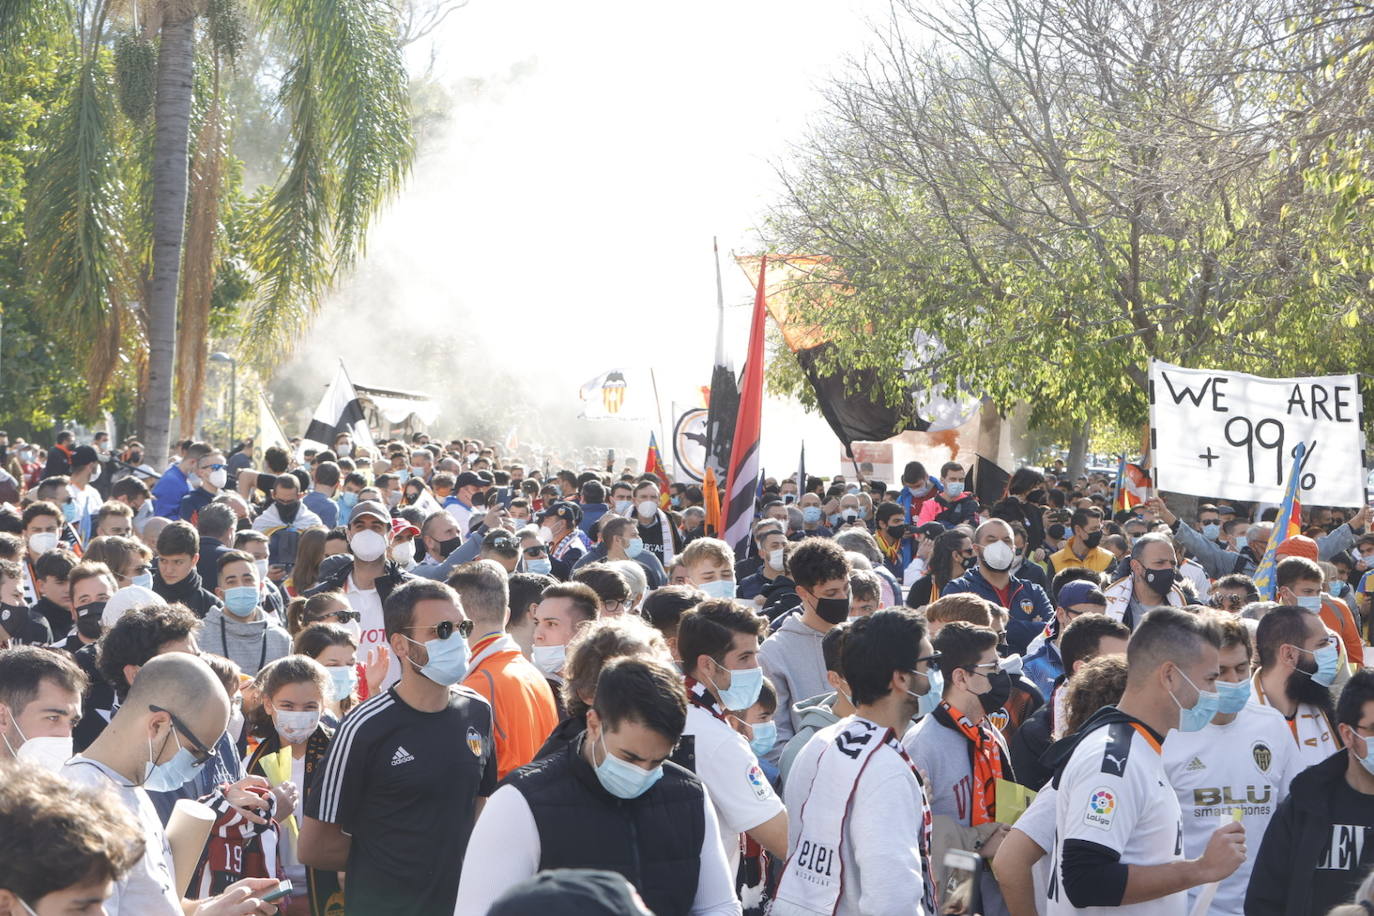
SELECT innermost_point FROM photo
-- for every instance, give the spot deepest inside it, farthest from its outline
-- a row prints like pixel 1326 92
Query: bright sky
pixel 609 142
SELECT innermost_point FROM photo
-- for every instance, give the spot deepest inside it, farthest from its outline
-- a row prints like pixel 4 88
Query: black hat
pixel 568 512
pixel 571 892
pixel 469 479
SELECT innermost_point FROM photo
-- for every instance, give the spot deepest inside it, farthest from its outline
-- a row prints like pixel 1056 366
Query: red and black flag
pixel 742 484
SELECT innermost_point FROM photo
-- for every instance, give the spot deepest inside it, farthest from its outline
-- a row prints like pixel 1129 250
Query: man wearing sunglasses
pixel 160 738
pixel 409 770
pixel 212 474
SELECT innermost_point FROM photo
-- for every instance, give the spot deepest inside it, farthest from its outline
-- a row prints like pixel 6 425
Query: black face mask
pixel 997 697
pixel 1160 581
pixel 1092 540
pixel 895 532
pixel 832 610
pixel 447 547
pixel 1037 497
pixel 88 619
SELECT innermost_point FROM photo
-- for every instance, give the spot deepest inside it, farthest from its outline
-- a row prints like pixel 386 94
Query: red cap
pixel 1298 546
pixel 400 526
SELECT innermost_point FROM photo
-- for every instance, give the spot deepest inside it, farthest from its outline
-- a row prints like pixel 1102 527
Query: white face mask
pixel 193 479
pixel 367 545
pixel 545 534
pixel 403 553
pixel 647 508
pixel 295 727
pixel 41 542
pixel 218 478
pixel 262 569
pixel 775 558
pixel 549 659
pixel 48 753
pixel 95 475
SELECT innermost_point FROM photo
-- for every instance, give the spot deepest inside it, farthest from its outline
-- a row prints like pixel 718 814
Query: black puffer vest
pixel 653 840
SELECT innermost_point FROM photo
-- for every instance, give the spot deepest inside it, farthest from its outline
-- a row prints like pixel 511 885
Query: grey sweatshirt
pixel 792 660
pixel 251 644
pixel 810 715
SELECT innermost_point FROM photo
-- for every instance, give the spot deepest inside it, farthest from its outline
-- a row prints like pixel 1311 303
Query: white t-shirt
pixel 1037 822
pixel 736 784
pixel 1246 764
pixel 504 850
pixel 1312 734
pixel 1115 793
pixel 290 858
pixel 149 889
pixel 368 603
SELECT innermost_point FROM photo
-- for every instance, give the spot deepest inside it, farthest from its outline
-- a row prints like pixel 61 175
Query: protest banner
pixel 1234 436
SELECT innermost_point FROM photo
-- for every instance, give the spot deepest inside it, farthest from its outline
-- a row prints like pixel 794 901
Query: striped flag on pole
pixel 1288 524
pixel 340 411
pixel 741 484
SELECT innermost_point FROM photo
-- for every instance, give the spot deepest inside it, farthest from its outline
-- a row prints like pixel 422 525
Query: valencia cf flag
pixel 340 411
pixel 741 485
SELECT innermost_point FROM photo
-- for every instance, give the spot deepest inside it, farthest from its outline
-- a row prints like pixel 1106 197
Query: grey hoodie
pixel 793 661
pixel 251 644
pixel 810 715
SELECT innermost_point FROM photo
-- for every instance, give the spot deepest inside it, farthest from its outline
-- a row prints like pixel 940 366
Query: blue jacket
pixel 1044 667
pixel 591 514
pixel 323 506
pixel 1027 604
pixel 168 491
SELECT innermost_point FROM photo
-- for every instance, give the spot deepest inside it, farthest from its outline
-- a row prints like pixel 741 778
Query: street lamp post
pixel 222 357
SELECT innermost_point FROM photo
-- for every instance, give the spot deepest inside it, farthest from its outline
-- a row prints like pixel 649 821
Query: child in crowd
pixel 336 649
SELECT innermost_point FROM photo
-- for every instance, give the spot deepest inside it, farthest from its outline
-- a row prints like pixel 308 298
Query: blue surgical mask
pixel 1211 532
pixel 1233 697
pixel 676 502
pixel 622 507
pixel 833 518
pixel 69 511
pixel 926 702
pixel 1367 761
pixel 1195 718
pixel 634 548
pixel 765 736
pixel 448 659
pixel 345 681
pixel 811 514
pixel 1328 657
pixel 954 489
pixel 1310 603
pixel 169 775
pixel 721 588
pixel 621 779
pixel 241 600
pixel 143 580
pixel 743 692
pixel 347 500
pixel 540 565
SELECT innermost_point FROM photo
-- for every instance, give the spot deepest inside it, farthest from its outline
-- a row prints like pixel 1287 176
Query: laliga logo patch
pixel 1101 807
pixel 1262 755
pixel 758 782
pixel 474 742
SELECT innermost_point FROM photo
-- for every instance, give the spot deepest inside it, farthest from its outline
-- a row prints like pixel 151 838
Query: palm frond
pixel 71 225
pixel 20 18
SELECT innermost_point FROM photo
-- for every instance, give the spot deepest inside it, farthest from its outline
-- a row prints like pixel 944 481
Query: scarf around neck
pixel 985 755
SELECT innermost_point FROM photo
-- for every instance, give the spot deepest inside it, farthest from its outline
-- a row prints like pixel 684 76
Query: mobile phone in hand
pixel 283 889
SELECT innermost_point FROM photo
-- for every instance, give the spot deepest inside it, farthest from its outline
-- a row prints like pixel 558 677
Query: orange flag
pixel 710 493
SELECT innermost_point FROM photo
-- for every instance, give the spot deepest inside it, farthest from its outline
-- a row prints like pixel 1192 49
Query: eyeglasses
pixel 444 628
pixel 993 665
pixel 214 467
pixel 339 617
pixel 1232 601
pixel 199 751
pixel 928 661
pixel 613 607
pixel 535 551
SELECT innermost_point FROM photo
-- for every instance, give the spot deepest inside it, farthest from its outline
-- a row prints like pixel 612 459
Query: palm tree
pixel 107 210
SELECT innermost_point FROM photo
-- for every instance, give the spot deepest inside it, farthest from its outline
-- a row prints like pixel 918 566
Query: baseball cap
pixel 126 599
pixel 468 479
pixel 400 526
pixel 567 511
pixel 369 507
pixel 1080 592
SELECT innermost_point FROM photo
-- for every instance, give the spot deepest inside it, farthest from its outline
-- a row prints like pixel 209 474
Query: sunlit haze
pixel 560 223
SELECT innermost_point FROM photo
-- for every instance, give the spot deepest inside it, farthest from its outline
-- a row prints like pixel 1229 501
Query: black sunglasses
pixel 339 616
pixel 444 628
pixel 535 551
pixel 201 753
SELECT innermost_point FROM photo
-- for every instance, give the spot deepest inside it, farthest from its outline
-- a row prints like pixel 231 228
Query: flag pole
pixel 658 406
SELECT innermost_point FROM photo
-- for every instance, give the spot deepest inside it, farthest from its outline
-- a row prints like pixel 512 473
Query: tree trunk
pixel 1078 450
pixel 172 127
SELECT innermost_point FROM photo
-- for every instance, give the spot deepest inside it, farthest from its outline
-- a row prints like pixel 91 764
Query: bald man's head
pixel 186 687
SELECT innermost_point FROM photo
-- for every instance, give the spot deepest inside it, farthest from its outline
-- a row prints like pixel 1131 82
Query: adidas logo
pixel 1193 765
pixel 401 756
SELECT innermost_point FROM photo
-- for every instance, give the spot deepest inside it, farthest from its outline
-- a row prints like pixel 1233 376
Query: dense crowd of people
pixel 433 678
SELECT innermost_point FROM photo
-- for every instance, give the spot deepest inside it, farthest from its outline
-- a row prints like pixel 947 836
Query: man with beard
pixel 286 510
pixel 1297 665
